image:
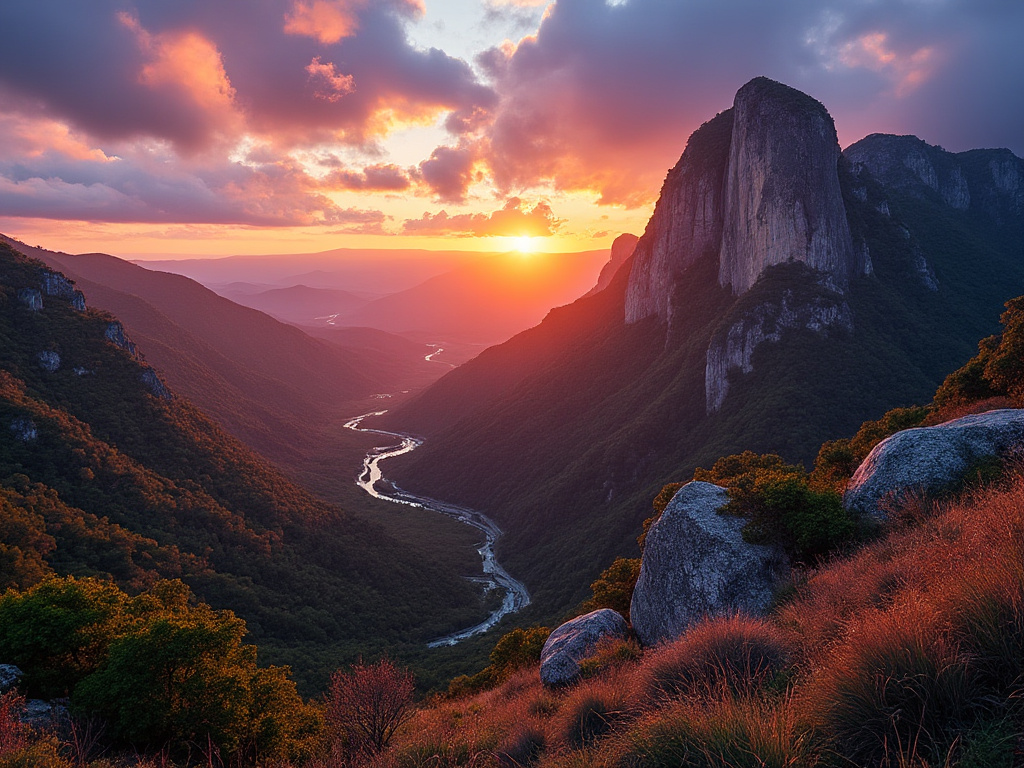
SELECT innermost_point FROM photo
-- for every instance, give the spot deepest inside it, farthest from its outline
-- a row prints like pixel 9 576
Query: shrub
pixel 734 656
pixel 13 734
pixel 369 703
pixel 614 587
pixel 517 649
pixel 780 503
pixel 610 653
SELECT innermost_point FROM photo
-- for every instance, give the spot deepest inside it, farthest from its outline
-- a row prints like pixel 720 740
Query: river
pixel 372 480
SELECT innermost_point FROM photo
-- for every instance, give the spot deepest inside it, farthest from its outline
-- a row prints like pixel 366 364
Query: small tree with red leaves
pixel 13 735
pixel 369 703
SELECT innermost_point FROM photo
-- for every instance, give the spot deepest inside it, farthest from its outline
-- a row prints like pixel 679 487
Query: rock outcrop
pixel 782 197
pixel 115 335
pixel 928 459
pixel 686 224
pixel 49 361
pixel 10 676
pixel 733 347
pixel 24 429
pixel 622 249
pixel 990 181
pixel 55 284
pixel 153 383
pixel 31 298
pixel 696 564
pixel 575 641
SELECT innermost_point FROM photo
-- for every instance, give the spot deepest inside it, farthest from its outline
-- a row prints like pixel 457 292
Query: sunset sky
pixel 257 126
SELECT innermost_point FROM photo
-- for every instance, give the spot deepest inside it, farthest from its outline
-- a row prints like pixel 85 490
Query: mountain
pixel 782 293
pixel 299 304
pixel 266 382
pixel 105 472
pixel 622 249
pixel 486 300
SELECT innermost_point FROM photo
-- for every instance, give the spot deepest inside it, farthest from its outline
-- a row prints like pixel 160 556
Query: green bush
pixel 614 587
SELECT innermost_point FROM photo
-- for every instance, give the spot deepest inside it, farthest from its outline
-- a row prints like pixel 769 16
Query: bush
pixel 369 703
pixel 517 649
pixel 782 506
pixel 731 656
pixel 614 587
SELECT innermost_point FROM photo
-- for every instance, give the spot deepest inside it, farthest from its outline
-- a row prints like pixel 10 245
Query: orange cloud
pixel 513 220
pixel 328 84
pixel 324 20
pixel 871 51
pixel 188 63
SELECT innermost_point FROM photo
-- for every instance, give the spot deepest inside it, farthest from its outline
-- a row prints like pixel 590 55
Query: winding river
pixel 372 480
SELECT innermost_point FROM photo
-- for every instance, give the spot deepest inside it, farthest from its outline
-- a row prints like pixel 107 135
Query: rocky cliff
pixel 782 196
pixel 686 224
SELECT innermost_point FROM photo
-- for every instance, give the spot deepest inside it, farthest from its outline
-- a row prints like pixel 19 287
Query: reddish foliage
pixel 12 732
pixel 369 703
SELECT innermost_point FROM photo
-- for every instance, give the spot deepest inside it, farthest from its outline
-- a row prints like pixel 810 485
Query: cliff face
pixel 989 181
pixel 686 224
pixel 782 196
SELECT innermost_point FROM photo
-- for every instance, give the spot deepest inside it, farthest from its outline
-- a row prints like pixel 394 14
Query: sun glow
pixel 525 245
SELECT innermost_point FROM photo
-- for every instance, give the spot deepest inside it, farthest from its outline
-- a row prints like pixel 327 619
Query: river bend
pixel 372 480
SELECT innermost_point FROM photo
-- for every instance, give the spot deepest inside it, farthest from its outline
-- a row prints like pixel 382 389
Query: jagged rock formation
pixel 575 641
pixel 696 564
pixel 622 249
pixel 987 180
pixel 928 459
pixel 115 335
pixel 732 348
pixel 782 197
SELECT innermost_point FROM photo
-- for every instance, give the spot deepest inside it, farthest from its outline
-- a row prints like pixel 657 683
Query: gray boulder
pixel 24 429
pixel 696 564
pixel 10 675
pixel 575 641
pixel 44 715
pixel 49 361
pixel 927 459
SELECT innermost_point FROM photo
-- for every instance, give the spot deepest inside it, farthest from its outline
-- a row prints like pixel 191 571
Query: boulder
pixel 24 429
pixel 575 641
pixel 31 298
pixel 49 361
pixel 10 675
pixel 928 459
pixel 44 715
pixel 696 564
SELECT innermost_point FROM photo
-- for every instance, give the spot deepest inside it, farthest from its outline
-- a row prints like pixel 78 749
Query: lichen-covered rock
pixel 10 676
pixel 31 298
pixel 782 198
pixel 575 641
pixel 49 361
pixel 24 429
pixel 44 715
pixel 696 564
pixel 927 459
pixel 733 348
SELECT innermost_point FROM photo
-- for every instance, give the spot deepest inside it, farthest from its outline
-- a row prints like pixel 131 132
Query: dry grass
pixel 909 654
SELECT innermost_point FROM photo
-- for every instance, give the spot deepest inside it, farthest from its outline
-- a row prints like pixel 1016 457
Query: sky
pixel 175 127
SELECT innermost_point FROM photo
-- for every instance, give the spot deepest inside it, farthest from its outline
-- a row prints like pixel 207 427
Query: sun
pixel 525 244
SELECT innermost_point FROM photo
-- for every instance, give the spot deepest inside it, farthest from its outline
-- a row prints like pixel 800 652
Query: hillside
pixel 266 382
pixel 104 472
pixel 565 432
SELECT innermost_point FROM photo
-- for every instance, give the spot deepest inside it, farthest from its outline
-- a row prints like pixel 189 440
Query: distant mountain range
pixel 782 293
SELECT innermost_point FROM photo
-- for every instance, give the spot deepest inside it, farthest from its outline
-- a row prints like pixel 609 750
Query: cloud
pixel 513 220
pixel 448 172
pixel 373 178
pixel 603 96
pixel 328 84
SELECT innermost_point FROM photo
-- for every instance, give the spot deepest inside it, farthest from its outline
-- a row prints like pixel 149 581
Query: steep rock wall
pixel 782 197
pixel 686 224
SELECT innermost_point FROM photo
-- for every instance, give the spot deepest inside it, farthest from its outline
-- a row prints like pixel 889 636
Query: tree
pixel 369 703
pixel 614 587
